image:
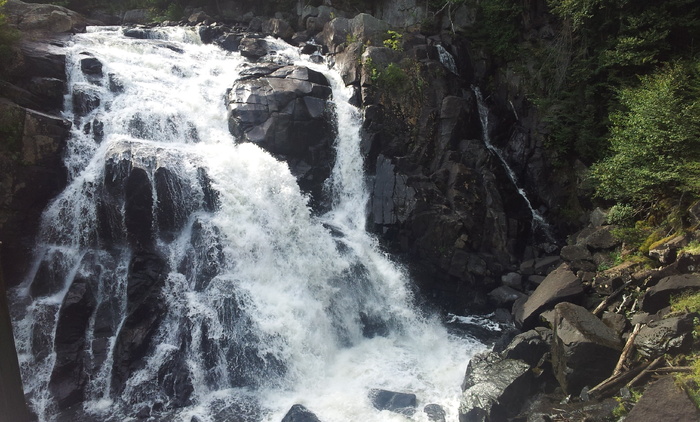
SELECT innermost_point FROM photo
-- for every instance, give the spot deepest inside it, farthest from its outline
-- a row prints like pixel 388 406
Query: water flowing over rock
pixel 178 273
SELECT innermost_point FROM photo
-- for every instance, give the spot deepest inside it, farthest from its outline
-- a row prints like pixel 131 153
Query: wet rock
pixel 286 111
pixel 347 63
pixel 209 33
pixel 562 285
pixel 664 401
pixel 91 66
pixel 670 335
pixel 403 403
pixel 229 42
pixel 435 412
pixel 659 296
pixel 392 199
pixel 85 100
pixel 50 90
pixel 335 33
pixel 171 195
pixel 494 388
pixel 253 48
pixel 68 379
pixel 299 413
pixel 138 207
pixel 211 200
pixel 584 350
pixel 198 17
pixel 138 33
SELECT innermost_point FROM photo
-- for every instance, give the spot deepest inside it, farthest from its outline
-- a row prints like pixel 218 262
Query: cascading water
pixel 199 256
pixel 537 220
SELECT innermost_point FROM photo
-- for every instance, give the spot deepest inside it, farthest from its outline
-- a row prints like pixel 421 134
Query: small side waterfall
pixel 181 275
pixel 537 220
pixel 447 59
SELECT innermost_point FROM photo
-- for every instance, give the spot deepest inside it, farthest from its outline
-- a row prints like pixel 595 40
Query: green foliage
pixel 625 404
pixel 11 126
pixel 394 40
pixel 621 215
pixel 655 141
pixel 692 248
pixel 497 26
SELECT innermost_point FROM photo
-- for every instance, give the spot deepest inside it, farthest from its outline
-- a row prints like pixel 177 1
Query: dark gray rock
pixel 279 28
pixel 253 48
pixel 617 322
pixel 285 110
pixel 50 90
pixel 138 33
pixel 529 346
pixel 666 252
pixel 575 252
pixel 198 17
pixel 659 296
pixel 562 285
pixel 85 99
pixel 504 296
pixel 392 199
pixel 229 42
pixel 513 280
pixel 335 33
pixel 347 62
pixel 403 403
pixel 670 335
pixel 664 401
pixel 91 66
pixel 138 208
pixel 42 18
pixel 299 413
pixel 138 16
pixel 494 388
pixel 602 239
pixel 584 350
pixel 435 412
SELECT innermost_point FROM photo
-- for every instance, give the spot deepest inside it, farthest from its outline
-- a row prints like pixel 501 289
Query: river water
pixel 266 304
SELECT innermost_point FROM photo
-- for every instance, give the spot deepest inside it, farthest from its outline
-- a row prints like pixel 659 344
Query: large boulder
pixel 403 403
pixel 561 285
pixel 529 346
pixel 299 413
pixel 137 16
pixel 672 334
pixel 494 388
pixel 253 48
pixel 584 349
pixel 659 296
pixel 393 200
pixel 286 110
pixel 664 401
pixel 42 18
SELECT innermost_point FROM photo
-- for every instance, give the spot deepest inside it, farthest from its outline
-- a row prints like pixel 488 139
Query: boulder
pixel 253 48
pixel 85 99
pixel 529 346
pixel 513 280
pixel 575 252
pixel 229 42
pixel 659 296
pixel 138 208
pixel 347 62
pixel 403 403
pixel 601 239
pixel 435 412
pixel 670 335
pixel 335 33
pixel 299 413
pixel 504 296
pixel 494 388
pixel 91 66
pixel 279 28
pixel 666 252
pixel 365 27
pixel 285 110
pixel 584 350
pixel 664 401
pixel 43 18
pixel 392 199
pixel 49 90
pixel 137 16
pixel 561 285
pixel 198 17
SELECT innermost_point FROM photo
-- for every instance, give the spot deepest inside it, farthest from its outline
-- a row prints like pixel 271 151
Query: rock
pixel 584 350
pixel 435 412
pixel 91 66
pixel 598 217
pixel 43 18
pixel 198 17
pixel 347 63
pixel 392 199
pixel 42 60
pixel 68 379
pixel 513 280
pixel 529 346
pixel 50 90
pixel 494 388
pixel 670 335
pixel 562 285
pixel 137 16
pixel 285 110
pixel 299 413
pixel 664 401
pixel 575 252
pixel 547 264
pixel 138 208
pixel 601 239
pixel 209 33
pixel 504 296
pixel 138 33
pixel 278 28
pixel 617 322
pixel 403 403
pixel 659 296
pixel 253 48
pixel 666 252
pixel 229 42
pixel 85 99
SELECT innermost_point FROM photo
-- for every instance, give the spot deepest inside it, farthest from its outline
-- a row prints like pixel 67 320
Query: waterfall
pixel 538 220
pixel 447 59
pixel 198 255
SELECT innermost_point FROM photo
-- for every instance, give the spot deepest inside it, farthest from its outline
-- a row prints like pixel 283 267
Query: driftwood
pixel 604 304
pixel 617 375
pixel 673 369
pixel 645 372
